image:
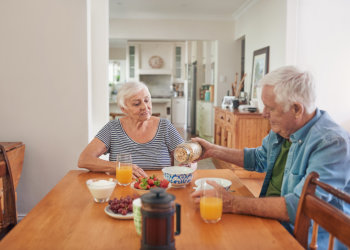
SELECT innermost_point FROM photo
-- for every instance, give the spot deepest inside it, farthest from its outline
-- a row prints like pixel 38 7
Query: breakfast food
pixel 122 205
pixel 101 189
pixel 188 152
pixel 146 183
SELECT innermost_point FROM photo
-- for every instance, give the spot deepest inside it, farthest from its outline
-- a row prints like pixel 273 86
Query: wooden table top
pixel 68 218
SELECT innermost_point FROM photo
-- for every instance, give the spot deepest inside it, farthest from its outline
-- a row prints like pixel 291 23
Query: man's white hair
pixel 292 85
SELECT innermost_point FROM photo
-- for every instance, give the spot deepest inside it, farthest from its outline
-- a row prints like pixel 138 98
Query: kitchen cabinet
pixel 179 62
pixel 156 57
pixel 209 62
pixel 235 129
pixel 178 112
pixel 132 61
pixel 205 120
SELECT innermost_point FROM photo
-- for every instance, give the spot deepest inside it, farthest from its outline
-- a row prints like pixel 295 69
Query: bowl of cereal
pixel 178 176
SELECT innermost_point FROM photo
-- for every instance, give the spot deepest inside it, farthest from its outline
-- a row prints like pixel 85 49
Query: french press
pixel 158 208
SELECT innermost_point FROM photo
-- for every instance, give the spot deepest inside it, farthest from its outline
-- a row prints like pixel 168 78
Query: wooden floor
pixel 252 180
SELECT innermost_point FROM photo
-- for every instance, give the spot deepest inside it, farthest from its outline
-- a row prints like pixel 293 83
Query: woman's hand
pixel 227 198
pixel 138 172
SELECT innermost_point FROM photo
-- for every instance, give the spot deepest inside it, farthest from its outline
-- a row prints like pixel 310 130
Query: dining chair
pixel 11 163
pixel 330 218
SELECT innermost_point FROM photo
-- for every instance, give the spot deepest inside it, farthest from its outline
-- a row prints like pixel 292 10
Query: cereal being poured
pixel 188 152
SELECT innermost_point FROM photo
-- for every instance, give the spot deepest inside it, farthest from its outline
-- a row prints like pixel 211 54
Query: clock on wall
pixel 156 62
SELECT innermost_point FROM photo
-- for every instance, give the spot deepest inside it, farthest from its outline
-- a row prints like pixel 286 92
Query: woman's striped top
pixel 154 154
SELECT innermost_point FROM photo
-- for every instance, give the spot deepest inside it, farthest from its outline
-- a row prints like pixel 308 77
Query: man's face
pixel 282 123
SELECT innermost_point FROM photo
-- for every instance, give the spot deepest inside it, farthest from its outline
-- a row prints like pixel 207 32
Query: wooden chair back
pixel 11 163
pixel 322 213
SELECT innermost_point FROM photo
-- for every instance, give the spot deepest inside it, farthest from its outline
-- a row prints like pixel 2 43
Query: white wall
pixel 322 45
pixel 44 76
pixel 186 30
pixel 263 24
pixel 99 36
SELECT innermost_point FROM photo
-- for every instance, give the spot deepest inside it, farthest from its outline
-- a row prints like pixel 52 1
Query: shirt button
pixel 300 141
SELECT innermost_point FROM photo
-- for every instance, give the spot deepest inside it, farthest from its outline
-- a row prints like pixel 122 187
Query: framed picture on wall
pixel 260 68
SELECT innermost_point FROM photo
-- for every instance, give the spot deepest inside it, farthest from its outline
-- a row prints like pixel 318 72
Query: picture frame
pixel 260 67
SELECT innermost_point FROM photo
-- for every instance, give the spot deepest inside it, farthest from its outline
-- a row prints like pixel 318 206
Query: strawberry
pixel 148 187
pixel 137 185
pixel 143 186
pixel 150 182
pixel 164 183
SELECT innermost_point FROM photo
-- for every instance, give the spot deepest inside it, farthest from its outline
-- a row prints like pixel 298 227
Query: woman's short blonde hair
pixel 128 90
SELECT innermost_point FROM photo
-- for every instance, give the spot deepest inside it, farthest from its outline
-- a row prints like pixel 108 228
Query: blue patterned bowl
pixel 178 176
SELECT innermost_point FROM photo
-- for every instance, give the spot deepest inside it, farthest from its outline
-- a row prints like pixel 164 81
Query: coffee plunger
pixel 158 208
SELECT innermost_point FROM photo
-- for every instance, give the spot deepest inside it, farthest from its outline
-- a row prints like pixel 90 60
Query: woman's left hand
pixel 138 172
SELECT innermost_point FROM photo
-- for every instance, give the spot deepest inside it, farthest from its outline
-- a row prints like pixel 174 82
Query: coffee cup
pixel 136 208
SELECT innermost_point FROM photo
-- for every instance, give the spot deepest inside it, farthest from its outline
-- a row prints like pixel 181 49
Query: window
pixel 116 71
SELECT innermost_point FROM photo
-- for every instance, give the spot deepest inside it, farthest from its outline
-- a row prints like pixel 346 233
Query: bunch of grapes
pixel 122 205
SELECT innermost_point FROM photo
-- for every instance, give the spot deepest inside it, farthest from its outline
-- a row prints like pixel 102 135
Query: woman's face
pixel 139 106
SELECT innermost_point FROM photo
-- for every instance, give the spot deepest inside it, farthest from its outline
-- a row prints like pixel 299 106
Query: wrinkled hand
pixel 206 147
pixel 227 197
pixel 138 172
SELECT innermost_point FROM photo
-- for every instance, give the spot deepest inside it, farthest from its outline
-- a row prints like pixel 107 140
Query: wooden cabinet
pixel 235 129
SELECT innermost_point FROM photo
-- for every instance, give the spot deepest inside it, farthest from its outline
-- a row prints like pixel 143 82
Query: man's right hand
pixel 206 147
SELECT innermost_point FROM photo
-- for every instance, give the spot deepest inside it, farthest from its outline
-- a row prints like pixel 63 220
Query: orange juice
pixel 211 209
pixel 124 174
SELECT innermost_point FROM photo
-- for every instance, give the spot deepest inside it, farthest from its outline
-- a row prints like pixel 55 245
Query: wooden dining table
pixel 68 218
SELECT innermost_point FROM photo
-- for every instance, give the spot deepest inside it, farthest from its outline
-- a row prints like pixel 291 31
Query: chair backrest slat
pixel 327 216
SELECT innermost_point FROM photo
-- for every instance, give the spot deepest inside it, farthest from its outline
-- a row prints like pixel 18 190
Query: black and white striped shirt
pixel 154 154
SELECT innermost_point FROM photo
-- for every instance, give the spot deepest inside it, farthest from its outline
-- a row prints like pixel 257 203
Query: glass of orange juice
pixel 210 204
pixel 124 169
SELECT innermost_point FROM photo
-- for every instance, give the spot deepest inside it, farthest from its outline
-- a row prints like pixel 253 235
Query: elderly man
pixel 302 139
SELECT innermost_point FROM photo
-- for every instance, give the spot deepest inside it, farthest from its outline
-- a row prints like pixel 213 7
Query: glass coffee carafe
pixel 158 208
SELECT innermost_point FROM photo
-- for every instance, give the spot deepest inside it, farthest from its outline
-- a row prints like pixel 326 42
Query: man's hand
pixel 207 147
pixel 227 198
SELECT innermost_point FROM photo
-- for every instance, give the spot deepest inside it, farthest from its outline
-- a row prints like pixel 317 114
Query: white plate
pixel 128 216
pixel 223 182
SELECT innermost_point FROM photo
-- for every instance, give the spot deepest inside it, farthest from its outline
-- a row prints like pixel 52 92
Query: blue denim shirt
pixel 321 146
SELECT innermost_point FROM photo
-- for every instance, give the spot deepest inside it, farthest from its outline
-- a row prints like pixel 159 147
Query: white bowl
pixel 178 176
pixel 101 189
pixel 223 182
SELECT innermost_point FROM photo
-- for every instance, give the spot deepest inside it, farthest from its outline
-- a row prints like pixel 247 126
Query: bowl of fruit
pixel 143 184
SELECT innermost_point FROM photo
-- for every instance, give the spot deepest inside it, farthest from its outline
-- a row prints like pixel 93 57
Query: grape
pixel 122 205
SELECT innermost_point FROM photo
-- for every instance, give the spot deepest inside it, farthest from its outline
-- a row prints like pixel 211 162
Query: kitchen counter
pixel 161 100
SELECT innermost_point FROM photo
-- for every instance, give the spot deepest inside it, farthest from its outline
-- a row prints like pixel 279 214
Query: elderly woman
pixel 150 140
